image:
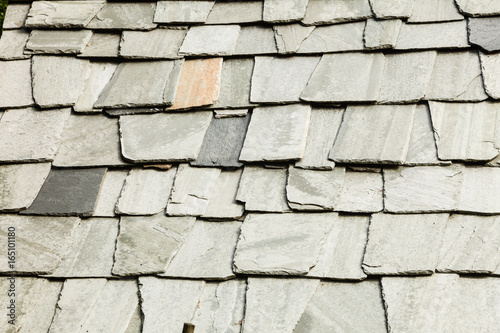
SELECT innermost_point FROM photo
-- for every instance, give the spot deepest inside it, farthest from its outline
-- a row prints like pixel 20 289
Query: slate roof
pixel 251 166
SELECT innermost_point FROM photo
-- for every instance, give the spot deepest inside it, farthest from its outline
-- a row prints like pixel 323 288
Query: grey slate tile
pixel 163 137
pixel 20 184
pixel 278 12
pixel 435 11
pixel 384 139
pixel 210 40
pixel 389 9
pixel 345 77
pixel 381 34
pixel 182 11
pixel 68 192
pixel 255 40
pixel 127 16
pixel 290 36
pixel 336 11
pixel 277 133
pixel 110 192
pixel 131 111
pixel 222 203
pixel 235 83
pixel 12 44
pixel 102 45
pixel 361 193
pixel 433 35
pixel 15 84
pixel 281 80
pixel 62 14
pixel 230 113
pixel 15 16
pixel 146 245
pixel 99 75
pixel 479 193
pixel 478 8
pixel 235 12
pixel 403 244
pixel 58 41
pixel 334 38
pixel 45 131
pixel 155 44
pixel 490 69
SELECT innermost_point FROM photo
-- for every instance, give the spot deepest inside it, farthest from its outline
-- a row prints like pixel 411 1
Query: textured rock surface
pixel 222 203
pixel 156 44
pixel 110 192
pixel 15 16
pixel 490 69
pixel 102 45
pixel 255 40
pixel 235 12
pixel 327 11
pixel 98 77
pixel 12 44
pixel 391 9
pixel 278 12
pixel 361 193
pixel 334 38
pixel 478 7
pixel 210 40
pixel 483 32
pixel 289 37
pixel 433 35
pixel 127 16
pixel 62 14
pixel 15 84
pixel 235 83
pixel 182 11
pixel 381 34
pixel 479 192
pixel 435 11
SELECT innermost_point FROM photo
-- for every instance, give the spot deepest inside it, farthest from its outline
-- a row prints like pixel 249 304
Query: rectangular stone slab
pixel 222 203
pixel 255 40
pixel 15 84
pixel 387 9
pixel 381 34
pixel 334 38
pixel 235 83
pixel 235 12
pixel 12 44
pixel 433 35
pixel 480 193
pixel 102 45
pixel 58 41
pixel 482 31
pixel 328 12
pixel 15 16
pixel 99 75
pixel 182 11
pixel 362 192
pixel 279 12
pixel 478 8
pixel 155 44
pixel 110 192
pixel 215 40
pixel 124 16
pixel 289 37
pixel 435 11
pixel 62 14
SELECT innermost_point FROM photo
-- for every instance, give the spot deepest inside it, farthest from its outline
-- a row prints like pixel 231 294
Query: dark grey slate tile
pixel 483 31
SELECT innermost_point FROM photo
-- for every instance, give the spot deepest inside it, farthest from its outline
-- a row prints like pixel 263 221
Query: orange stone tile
pixel 199 84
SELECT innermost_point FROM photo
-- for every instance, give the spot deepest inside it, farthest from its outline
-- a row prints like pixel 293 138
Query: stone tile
pixel 95 305
pixel 277 133
pixel 35 301
pixel 276 304
pixel 388 9
pixel 68 192
pixel 235 12
pixel 155 44
pixel 125 16
pixel 199 83
pixel 230 113
pixel 235 83
pixel 334 38
pixel 15 16
pixel 58 41
pixel 28 135
pixel 281 80
pixel 345 77
pixel 479 193
pixel 182 11
pixel 422 189
pixel 344 307
pixel 478 7
pixel 490 68
pixel 12 44
pixel 207 252
pixel 91 253
pixel 15 84
pixel 280 12
pixel 385 137
pixel 466 131
pixel 323 128
pixel 433 36
pixel 435 11
pixel 146 245
pixel 332 11
pixel 110 192
pixel 311 190
pixel 102 45
pixel 41 242
pixel 131 111
pixel 20 184
pixel 164 137
pixel 192 190
pixel 361 193
pixel 51 90
pixel 210 40
pixel 281 244
pixel 255 40
pixel 62 14
pixel 406 76
pixel 145 192
pixel 289 37
pixel 456 77
pixel 403 244
pixel 263 189
pixel 89 141
pixel 222 203
pixel 381 34
pixel 99 74
pixel 157 80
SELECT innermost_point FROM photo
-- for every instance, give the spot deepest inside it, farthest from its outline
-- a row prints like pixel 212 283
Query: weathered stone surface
pixel 384 139
pixel 479 193
pixel 35 301
pixel 192 190
pixel 110 192
pixel 15 84
pixel 122 15
pixel 235 83
pixel 62 14
pixel 387 9
pixel 361 193
pixel 145 192
pixel 403 244
pixel 102 45
pixel 490 68
pixel 91 253
pixel 155 44
pixel 433 35
pixel 406 76
pixel 381 34
pixel 323 128
pixel 255 40
pixel 15 16
pixel 466 131
pixel 63 89
pixel 222 203
pixel 263 189
pixel 435 11
pixel 20 184
pixel 344 307
pixel 235 12
pixel 276 305
pixel 95 305
pixel 332 11
pixel 281 244
pixel 313 190
pixel 12 44
pixel 131 111
pixel 277 133
pixel 142 83
pixel 99 75
pixel 334 38
pixel 278 12
pixel 207 252
pixel 58 41
pixel 41 242
pixel 182 11
pixel 230 113
pixel 199 83
pixel 478 7
pixel 346 77
pixel 422 189
pixel 29 135
pixel 163 137
pixel 290 36
pixel 210 40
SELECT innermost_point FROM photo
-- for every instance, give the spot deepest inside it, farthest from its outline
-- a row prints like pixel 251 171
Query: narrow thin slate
pixel 478 7
pixel 58 41
pixel 433 35
pixel 235 12
pixel 15 16
pixel 110 192
pixel 182 11
pixel 490 68
pixel 12 44
pixel 255 40
pixel 235 83
pixel 388 9
pixel 332 11
pixel 334 38
pixel 222 203
pixel 15 84
pixel 381 34
pixel 361 193
pixel 479 192
pixel 124 16
pixel 62 14
pixel 435 11
pixel 210 40
pixel 403 244
pixel 99 75
pixel 290 36
pixel 102 45
pixel 155 44
pixel 278 12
